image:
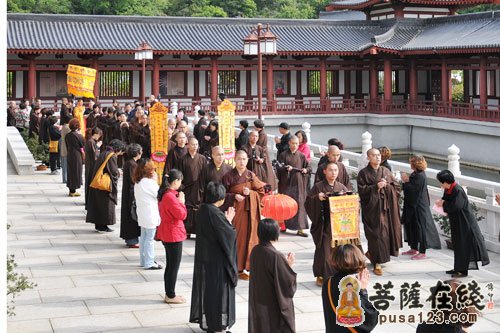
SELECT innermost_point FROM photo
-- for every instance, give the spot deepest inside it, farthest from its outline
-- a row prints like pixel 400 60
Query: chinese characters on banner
pixel 158 122
pixel 80 81
pixel 226 130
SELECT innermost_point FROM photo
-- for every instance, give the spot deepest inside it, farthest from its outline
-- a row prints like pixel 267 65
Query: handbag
pixel 53 146
pixel 352 330
pixel 102 181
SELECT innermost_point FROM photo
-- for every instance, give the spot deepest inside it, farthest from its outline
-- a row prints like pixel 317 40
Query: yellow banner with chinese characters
pixel 226 130
pixel 80 81
pixel 158 123
pixel 344 218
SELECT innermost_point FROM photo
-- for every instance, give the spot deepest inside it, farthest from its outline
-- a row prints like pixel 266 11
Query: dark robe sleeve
pixel 367 190
pixel 114 173
pixel 371 314
pixel 413 188
pixel 314 211
pixel 285 285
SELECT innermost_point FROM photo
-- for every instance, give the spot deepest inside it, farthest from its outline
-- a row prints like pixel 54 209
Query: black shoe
pixel 108 230
pixel 155 266
pixel 459 274
pixel 451 271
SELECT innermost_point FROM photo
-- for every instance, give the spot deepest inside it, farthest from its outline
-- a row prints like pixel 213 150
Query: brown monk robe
pixel 379 195
pixel 176 153
pixel 318 209
pixel 244 191
pixel 333 155
pixel 293 182
pixel 256 156
pixel 270 178
pixel 191 165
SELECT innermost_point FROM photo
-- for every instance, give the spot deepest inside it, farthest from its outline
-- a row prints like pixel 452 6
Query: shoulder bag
pixel 102 181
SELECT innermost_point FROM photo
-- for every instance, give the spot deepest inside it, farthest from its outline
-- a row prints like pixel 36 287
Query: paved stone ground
pixel 89 282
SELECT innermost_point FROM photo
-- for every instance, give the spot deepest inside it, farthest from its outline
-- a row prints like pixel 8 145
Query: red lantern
pixel 279 207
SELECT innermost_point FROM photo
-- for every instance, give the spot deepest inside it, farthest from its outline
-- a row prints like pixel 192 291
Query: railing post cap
pixel 366 135
pixel 306 125
pixel 174 103
pixel 453 150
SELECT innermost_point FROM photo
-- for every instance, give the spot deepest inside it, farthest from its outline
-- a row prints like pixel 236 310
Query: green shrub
pixel 40 152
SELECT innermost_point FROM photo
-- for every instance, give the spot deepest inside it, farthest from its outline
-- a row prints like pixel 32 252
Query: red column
pixel 270 83
pixel 156 76
pixel 373 80
pixel 387 80
pixel 483 82
pixel 95 65
pixel 347 84
pixel 444 82
pixel 413 81
pixel 31 79
pixel 213 82
pixel 322 79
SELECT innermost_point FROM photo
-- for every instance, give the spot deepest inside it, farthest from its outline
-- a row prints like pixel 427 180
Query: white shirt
pixel 145 193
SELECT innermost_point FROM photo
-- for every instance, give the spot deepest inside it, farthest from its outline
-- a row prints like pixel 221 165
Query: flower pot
pixel 41 167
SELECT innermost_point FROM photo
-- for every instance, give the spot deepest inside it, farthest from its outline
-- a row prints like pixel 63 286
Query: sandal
pixel 460 274
pixel 175 300
pixel 410 252
pixel 419 256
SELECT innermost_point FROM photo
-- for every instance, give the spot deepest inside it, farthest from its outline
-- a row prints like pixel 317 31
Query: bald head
pixel 218 155
pixel 253 137
pixel 293 143
pixel 333 154
pixel 192 145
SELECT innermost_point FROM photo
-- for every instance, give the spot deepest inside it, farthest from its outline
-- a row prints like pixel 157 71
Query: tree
pixel 40 6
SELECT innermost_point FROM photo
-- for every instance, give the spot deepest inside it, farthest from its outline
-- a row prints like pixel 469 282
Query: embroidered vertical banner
pixel 226 130
pixel 344 217
pixel 158 122
pixel 80 81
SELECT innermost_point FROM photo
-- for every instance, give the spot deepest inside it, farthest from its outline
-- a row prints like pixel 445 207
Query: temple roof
pixel 32 33
pixel 362 4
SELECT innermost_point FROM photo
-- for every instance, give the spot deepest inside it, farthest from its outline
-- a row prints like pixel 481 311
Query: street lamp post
pixel 260 41
pixel 144 52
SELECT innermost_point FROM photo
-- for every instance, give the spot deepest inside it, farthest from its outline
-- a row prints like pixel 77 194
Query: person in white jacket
pixel 148 216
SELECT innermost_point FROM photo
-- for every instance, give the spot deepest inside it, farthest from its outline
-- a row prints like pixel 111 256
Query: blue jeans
pixel 147 247
pixel 64 169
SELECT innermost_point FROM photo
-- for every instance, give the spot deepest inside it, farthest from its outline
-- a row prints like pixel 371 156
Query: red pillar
pixel 413 81
pixel 347 84
pixel 373 80
pixel 95 65
pixel 156 76
pixel 31 79
pixel 322 80
pixel 270 83
pixel 444 82
pixel 387 80
pixel 213 82
pixel 483 82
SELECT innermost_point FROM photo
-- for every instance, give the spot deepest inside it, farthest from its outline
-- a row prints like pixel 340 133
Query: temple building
pixel 360 56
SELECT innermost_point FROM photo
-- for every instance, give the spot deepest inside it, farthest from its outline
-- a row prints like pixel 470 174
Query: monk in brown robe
pixel 216 168
pixel 318 209
pixel 270 178
pixel 176 153
pixel 293 178
pixel 191 165
pixel 333 155
pixel 256 156
pixel 245 192
pixel 379 194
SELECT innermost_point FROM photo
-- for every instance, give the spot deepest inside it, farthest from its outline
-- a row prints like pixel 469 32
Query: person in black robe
pixel 419 228
pixel 242 138
pixel 54 134
pixel 467 239
pixel 332 142
pixel 101 205
pixel 282 144
pixel 91 153
pixel 347 260
pixel 256 156
pixel 201 125
pixel 129 227
pixel 176 153
pixel 34 125
pixel 191 165
pixel 333 155
pixel 293 181
pixel 318 209
pixel 379 196
pixel 270 178
pixel 215 271
pixel 44 125
pixel 74 144
pixel 215 171
pixel 272 286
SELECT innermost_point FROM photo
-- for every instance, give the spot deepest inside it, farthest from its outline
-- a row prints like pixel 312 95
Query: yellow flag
pixel 158 123
pixel 81 81
pixel 226 130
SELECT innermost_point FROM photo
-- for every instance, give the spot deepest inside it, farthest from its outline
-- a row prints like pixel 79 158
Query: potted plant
pixel 39 151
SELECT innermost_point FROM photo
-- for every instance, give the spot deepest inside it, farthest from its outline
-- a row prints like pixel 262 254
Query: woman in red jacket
pixel 171 230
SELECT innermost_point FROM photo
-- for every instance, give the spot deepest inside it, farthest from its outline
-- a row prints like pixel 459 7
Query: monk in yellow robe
pixel 349 303
pixel 78 112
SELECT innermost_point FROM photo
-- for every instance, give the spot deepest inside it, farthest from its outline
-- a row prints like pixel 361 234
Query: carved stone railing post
pixel 366 144
pixel 453 160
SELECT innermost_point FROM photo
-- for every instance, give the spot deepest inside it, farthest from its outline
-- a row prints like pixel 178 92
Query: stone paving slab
pixel 90 282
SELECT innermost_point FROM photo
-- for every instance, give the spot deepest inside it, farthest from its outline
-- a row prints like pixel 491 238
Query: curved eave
pixel 495 49
pixel 180 52
pixel 448 3
pixel 359 6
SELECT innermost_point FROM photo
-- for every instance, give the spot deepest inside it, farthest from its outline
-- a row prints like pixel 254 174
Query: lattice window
pixel 115 84
pixel 381 82
pixel 228 82
pixel 314 82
